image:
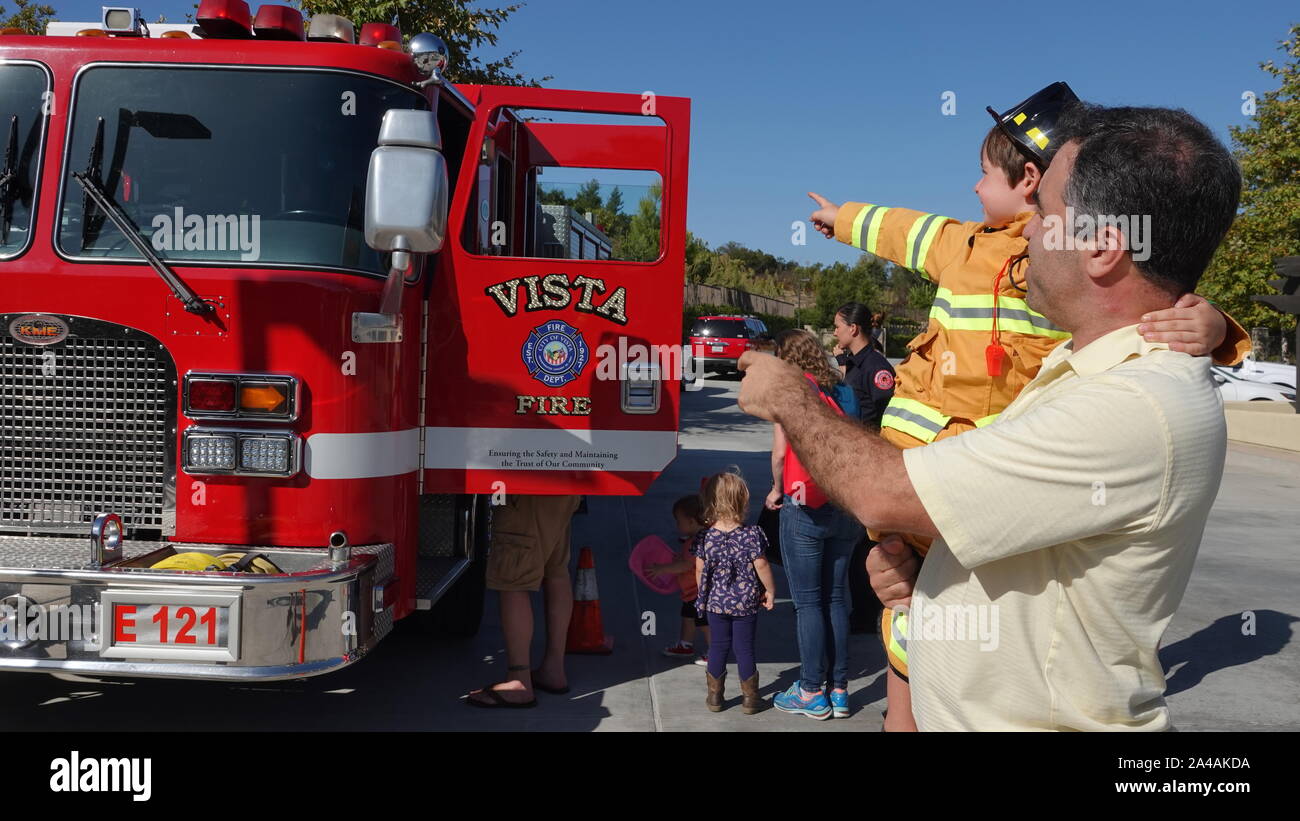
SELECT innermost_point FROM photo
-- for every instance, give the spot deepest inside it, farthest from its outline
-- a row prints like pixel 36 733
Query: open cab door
pixel 553 362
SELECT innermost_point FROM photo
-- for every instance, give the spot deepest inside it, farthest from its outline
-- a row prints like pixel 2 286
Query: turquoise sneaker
pixel 840 703
pixel 795 700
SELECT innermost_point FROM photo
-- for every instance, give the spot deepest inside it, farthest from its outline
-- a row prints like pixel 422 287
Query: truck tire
pixel 459 613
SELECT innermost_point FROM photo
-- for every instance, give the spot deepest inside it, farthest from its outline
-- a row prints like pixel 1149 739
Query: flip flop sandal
pixel 497 700
pixel 545 688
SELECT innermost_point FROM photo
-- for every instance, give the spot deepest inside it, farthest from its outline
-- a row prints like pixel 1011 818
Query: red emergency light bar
pixel 372 34
pixel 279 23
pixel 225 19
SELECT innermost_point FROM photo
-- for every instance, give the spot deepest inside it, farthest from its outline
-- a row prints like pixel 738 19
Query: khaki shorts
pixel 530 541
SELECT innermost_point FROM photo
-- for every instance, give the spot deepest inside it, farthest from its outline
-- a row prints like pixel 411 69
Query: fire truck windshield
pixel 226 165
pixel 23 96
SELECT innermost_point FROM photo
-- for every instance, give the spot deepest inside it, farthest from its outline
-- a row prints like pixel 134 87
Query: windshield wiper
pixel 7 177
pixel 97 195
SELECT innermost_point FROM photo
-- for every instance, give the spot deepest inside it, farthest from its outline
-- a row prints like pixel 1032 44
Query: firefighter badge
pixel 555 353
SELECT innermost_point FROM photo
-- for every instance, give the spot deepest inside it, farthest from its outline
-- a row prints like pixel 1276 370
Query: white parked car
pixel 1269 372
pixel 1235 389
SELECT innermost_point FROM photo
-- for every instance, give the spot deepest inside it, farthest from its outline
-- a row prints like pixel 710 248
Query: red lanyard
pixel 994 354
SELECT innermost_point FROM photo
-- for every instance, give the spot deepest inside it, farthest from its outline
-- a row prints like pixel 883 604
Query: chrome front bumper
pixel 314 618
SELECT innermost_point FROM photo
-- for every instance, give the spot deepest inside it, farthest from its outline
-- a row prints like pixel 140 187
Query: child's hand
pixel 773 500
pixel 823 219
pixel 654 569
pixel 769 599
pixel 1192 326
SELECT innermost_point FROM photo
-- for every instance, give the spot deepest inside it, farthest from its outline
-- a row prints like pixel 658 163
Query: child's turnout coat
pixel 948 374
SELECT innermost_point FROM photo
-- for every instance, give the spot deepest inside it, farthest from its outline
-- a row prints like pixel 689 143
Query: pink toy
pixel 648 551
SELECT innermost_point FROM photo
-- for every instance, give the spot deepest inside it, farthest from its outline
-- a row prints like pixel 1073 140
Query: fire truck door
pixel 554 320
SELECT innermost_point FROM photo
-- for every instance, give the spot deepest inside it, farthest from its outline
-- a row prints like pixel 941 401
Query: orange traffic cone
pixel 586 633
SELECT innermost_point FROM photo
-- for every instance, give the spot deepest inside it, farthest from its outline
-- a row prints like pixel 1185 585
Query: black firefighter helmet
pixel 1031 123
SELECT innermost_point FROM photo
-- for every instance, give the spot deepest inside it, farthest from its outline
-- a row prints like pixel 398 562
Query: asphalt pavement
pixel 1230 655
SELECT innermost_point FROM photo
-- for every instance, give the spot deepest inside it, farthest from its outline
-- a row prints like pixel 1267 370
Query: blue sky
pixel 844 98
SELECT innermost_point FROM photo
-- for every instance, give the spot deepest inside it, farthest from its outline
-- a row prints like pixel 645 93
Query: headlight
pixel 215 453
pixel 265 454
pixel 210 451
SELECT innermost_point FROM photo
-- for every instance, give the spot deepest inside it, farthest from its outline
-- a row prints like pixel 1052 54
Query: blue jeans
pixel 816 547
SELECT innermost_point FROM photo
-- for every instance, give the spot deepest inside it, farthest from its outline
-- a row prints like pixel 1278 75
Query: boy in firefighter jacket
pixel 983 343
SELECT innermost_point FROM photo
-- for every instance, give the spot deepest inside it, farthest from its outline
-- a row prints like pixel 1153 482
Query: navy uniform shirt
pixel 871 377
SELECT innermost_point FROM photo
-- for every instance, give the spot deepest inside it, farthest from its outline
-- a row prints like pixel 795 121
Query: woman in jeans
pixel 817 541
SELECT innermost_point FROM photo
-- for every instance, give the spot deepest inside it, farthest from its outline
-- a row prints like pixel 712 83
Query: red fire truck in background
pixel 280 312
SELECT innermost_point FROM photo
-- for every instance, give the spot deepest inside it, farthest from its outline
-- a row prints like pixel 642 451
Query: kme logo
pixel 77 774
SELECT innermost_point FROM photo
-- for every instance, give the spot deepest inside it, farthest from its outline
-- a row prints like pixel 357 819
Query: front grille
pixel 87 429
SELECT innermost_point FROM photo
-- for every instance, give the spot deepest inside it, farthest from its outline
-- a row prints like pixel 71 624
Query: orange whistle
pixel 993 355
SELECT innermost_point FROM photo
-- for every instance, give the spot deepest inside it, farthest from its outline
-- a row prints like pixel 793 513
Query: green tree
pixel 588 197
pixel 614 202
pixel 553 196
pixel 30 17
pixel 837 284
pixel 641 243
pixel 699 259
pixel 610 218
pixel 464 29
pixel 1268 225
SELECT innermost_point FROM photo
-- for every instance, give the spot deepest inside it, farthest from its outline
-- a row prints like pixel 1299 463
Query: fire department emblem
pixel 555 353
pixel 884 380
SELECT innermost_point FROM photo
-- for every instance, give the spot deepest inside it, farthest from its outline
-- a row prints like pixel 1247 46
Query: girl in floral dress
pixel 734 582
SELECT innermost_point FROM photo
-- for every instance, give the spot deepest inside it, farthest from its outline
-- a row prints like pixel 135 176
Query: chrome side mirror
pixel 406 194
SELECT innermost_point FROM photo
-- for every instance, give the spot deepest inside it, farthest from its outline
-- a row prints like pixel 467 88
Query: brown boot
pixel 714 700
pixel 751 703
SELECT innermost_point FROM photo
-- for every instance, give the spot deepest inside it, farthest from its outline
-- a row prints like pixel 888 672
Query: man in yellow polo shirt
pixel 1067 528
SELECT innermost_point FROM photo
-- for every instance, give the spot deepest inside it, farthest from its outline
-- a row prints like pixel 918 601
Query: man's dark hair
pixel 1158 161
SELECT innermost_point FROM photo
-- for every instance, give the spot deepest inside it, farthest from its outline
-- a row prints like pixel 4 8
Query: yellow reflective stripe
pixel 985 324
pixel 873 228
pixel 866 227
pixel 913 418
pixel 856 235
pixel 898 636
pixel 1020 326
pixel 888 420
pixel 917 224
pixel 928 233
pixel 974 312
pixel 979 423
pixel 927 413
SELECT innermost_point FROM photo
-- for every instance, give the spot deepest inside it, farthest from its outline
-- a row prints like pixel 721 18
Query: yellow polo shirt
pixel 1069 529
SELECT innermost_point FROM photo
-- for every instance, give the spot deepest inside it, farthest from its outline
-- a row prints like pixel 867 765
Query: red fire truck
pixel 281 312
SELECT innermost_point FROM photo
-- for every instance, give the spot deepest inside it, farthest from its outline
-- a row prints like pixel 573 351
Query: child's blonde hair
pixel 725 496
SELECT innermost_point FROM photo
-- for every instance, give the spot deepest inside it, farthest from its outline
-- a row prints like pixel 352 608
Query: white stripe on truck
pixel 394 453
